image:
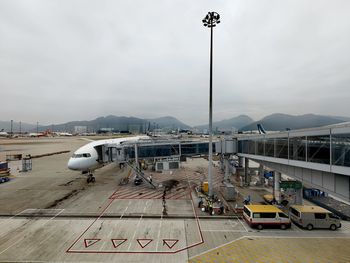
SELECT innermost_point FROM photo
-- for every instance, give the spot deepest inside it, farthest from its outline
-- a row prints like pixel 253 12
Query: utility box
pixel 26 164
pixel 228 191
pixel 205 187
pixel 226 146
pixel 166 164
pixel 13 157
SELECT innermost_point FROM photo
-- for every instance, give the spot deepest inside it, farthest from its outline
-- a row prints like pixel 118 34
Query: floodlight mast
pixel 211 20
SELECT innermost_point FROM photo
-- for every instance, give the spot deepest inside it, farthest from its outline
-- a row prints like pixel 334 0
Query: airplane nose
pixel 72 164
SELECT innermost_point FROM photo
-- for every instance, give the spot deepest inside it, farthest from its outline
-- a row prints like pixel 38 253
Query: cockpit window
pixel 81 155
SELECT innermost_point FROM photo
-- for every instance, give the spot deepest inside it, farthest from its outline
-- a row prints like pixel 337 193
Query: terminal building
pixel 80 129
pixel 318 157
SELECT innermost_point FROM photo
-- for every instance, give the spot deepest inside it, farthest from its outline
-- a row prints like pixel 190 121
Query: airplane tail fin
pixel 261 129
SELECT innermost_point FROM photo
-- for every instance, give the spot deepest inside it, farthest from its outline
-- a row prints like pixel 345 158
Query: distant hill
pixel 274 122
pixel 279 121
pixel 168 122
pixel 121 123
pixel 25 127
pixel 342 118
pixel 227 124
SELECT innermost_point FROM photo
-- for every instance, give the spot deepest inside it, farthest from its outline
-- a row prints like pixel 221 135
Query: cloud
pixel 70 60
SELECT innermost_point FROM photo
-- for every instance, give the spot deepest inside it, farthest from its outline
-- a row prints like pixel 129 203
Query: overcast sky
pixel 63 60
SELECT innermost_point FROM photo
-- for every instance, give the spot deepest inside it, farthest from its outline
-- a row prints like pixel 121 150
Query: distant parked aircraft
pixel 36 134
pixel 63 134
pixel 4 134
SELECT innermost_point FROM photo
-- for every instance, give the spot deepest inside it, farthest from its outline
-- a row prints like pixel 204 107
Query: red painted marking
pixel 178 194
pixel 90 241
pixel 70 250
pixel 116 190
pixel 136 194
pixel 124 192
pixel 184 196
pixel 118 241
pixel 143 242
pixel 170 242
pixel 143 194
pixel 151 195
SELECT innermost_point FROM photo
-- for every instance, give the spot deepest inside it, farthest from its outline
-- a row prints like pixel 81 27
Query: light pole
pixel 211 20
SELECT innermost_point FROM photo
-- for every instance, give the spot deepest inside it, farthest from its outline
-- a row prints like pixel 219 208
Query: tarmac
pixel 51 214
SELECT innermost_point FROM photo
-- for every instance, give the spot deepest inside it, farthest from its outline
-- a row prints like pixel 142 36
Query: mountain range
pixel 16 126
pixel 274 122
pixel 280 121
pixel 122 123
pixel 229 124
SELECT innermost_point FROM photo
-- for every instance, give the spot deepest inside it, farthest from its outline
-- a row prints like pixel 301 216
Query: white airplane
pixel 4 134
pixel 63 134
pixel 85 159
pixel 35 134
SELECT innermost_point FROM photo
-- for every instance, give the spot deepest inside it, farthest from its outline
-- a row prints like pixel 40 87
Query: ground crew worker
pixel 200 203
pixel 210 208
pixel 222 208
pixel 247 200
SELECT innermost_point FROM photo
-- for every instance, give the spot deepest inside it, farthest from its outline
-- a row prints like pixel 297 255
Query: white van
pixel 261 216
pixel 310 217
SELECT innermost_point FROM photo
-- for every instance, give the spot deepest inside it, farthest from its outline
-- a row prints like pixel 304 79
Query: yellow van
pixel 312 216
pixel 261 216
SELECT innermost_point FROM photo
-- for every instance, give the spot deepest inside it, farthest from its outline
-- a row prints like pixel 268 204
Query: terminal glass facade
pixel 330 149
pixel 252 147
pixel 341 149
pixel 195 148
pixel 297 148
pixel 260 147
pixel 243 146
pixel 270 147
pixel 281 148
pixel 318 149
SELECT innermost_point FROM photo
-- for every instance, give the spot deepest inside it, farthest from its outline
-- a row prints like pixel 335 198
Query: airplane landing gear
pixel 91 178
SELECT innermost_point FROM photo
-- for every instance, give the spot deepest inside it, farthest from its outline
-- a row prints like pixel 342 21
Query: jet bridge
pixel 165 154
pixel 152 149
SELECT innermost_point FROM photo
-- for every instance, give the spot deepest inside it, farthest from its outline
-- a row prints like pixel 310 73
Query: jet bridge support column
pixel 136 157
pixel 277 187
pixel 299 196
pixel 227 168
pixel 261 180
pixel 240 161
pixel 246 172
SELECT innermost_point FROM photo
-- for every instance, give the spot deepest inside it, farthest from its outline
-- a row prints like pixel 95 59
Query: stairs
pixel 141 174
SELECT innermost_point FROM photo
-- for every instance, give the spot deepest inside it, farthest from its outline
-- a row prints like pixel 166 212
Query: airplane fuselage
pixel 85 159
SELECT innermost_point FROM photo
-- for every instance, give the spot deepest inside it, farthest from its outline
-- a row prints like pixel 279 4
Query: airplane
pixel 4 134
pixel 86 158
pixel 36 134
pixel 63 134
